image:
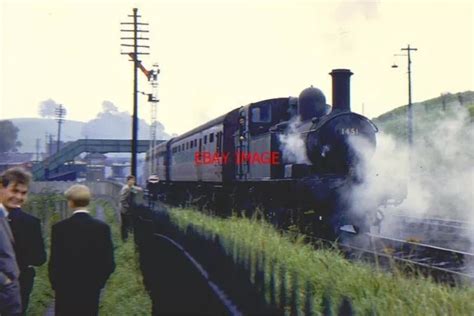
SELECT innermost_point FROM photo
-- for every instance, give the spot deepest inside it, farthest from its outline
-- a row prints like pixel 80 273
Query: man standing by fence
pixel 126 206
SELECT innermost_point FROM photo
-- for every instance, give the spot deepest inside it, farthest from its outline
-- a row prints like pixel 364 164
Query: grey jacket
pixel 125 199
pixel 10 299
pixel 127 194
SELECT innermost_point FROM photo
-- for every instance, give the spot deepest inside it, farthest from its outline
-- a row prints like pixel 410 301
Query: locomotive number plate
pixel 349 131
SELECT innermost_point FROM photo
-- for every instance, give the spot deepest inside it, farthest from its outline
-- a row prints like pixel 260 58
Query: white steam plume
pixel 293 145
pixel 435 179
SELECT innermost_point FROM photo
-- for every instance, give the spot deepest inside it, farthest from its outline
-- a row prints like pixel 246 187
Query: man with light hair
pixel 78 196
pixel 82 257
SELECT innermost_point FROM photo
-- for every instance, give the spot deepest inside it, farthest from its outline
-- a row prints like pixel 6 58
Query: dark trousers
pixel 127 225
pixel 77 302
pixel 27 278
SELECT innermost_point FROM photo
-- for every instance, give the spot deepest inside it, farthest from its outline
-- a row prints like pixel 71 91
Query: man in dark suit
pixel 82 257
pixel 26 229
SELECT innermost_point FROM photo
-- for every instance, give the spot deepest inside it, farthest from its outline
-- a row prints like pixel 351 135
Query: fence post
pixel 283 294
pixel 294 294
pixel 308 306
pixel 345 309
pixel 259 278
pixel 273 299
pixel 262 273
pixel 248 264
pixel 326 304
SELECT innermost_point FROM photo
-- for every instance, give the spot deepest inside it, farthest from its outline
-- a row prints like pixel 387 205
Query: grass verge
pixel 124 293
pixel 328 273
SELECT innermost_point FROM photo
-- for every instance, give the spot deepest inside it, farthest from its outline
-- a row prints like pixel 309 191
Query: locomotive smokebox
pixel 341 89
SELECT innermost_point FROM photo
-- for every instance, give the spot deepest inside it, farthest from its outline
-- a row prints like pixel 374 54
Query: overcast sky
pixel 217 55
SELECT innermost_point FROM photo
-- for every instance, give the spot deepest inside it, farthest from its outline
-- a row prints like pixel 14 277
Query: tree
pixel 109 107
pixel 8 137
pixel 47 108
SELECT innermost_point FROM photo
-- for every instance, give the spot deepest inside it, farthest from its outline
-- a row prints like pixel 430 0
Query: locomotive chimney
pixel 341 89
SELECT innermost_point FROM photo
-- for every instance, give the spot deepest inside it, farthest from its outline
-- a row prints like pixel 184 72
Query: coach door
pixel 199 166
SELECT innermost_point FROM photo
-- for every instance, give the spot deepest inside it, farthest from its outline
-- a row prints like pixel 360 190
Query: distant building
pixel 95 166
pixel 120 171
pixel 9 160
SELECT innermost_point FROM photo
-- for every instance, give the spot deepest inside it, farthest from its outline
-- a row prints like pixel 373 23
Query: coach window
pixel 195 143
pixel 205 139
pixel 211 137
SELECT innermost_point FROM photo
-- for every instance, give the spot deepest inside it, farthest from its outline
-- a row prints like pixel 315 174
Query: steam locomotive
pixel 294 160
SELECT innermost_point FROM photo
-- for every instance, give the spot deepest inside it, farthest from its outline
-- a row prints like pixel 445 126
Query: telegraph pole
pixel 50 144
pixel 135 47
pixel 60 114
pixel 38 140
pixel 410 106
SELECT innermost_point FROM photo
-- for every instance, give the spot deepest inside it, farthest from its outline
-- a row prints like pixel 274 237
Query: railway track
pixel 444 233
pixel 449 225
pixel 442 263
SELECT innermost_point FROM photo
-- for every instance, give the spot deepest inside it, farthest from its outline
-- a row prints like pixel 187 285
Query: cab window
pixel 261 114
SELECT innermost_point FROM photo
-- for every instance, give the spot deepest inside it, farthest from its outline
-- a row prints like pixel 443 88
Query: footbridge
pixel 42 170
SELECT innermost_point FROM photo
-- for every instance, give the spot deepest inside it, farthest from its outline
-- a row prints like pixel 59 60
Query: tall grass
pixel 325 273
pixel 124 293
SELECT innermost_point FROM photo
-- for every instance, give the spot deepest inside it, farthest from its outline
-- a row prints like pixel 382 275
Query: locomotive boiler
pixel 294 159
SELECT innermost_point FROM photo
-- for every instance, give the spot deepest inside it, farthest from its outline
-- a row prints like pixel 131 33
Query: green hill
pixel 426 114
pixel 37 128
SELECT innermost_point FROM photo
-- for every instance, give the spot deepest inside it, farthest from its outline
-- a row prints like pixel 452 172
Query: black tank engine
pixel 292 159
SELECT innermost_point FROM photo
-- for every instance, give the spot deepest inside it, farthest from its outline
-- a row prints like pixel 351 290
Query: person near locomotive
pixel 126 206
pixel 81 258
pixel 152 188
pixel 29 245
